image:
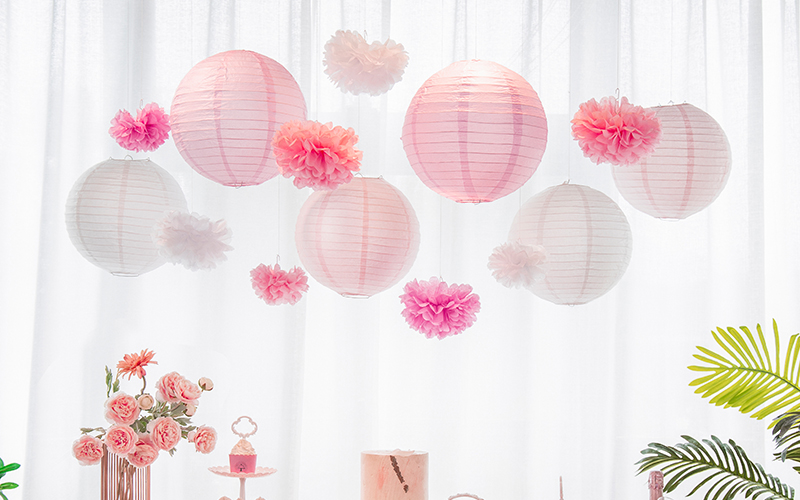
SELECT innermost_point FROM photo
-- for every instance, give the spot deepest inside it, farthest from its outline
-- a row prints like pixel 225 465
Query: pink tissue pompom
pixel 438 310
pixel 358 67
pixel 276 286
pixel 147 132
pixel 192 240
pixel 616 133
pixel 317 155
pixel 516 265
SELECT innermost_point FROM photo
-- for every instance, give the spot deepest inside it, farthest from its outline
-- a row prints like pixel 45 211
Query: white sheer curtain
pixel 533 391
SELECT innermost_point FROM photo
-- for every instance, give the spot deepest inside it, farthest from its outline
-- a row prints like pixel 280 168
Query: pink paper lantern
pixel 587 239
pixel 475 131
pixel 358 239
pixel 225 112
pixel 686 172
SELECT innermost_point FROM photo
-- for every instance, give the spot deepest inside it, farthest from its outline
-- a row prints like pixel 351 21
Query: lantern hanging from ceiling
pixel 358 239
pixel 112 210
pixel 686 171
pixel 225 112
pixel 587 239
pixel 475 131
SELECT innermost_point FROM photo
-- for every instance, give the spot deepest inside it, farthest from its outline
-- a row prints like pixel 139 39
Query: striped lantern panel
pixel 225 112
pixel 111 212
pixel 587 239
pixel 475 131
pixel 687 170
pixel 358 239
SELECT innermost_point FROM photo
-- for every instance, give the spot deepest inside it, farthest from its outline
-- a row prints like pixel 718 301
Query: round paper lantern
pixel 687 170
pixel 112 210
pixel 358 239
pixel 587 239
pixel 475 131
pixel 225 112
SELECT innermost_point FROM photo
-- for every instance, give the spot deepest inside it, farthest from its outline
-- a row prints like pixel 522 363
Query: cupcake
pixel 243 457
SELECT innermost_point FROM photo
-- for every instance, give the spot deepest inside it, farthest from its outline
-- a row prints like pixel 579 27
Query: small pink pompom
pixel 317 155
pixel 147 132
pixel 438 310
pixel 516 265
pixel 277 286
pixel 620 134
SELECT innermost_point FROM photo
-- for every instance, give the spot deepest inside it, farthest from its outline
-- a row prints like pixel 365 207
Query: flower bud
pixel 205 383
pixel 145 401
pixel 190 409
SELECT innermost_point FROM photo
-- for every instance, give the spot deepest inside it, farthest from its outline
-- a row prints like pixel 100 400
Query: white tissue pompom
pixel 358 67
pixel 192 240
pixel 515 265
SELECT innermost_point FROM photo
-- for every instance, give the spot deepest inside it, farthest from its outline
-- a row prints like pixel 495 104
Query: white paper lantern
pixel 686 172
pixel 587 239
pixel 111 212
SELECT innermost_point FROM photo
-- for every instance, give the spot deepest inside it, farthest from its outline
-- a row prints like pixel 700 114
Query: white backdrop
pixel 532 391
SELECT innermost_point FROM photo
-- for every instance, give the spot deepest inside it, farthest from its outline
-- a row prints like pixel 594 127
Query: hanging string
pixel 671 41
pixel 280 221
pixel 441 231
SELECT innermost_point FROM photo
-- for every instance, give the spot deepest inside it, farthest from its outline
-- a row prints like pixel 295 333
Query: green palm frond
pixel 747 377
pixel 726 468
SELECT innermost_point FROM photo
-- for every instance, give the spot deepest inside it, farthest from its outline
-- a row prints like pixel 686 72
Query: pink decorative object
pixel 192 240
pixel 515 265
pixel 165 433
pixel 394 475
pixel 276 286
pixel 685 173
pixel 359 239
pixel 143 454
pixel 615 132
pixel 358 67
pixel 242 457
pixel 438 310
pixel 147 132
pixel 120 439
pixel 88 450
pixel 175 388
pixel 475 131
pixel 121 408
pixel 225 112
pixel 134 364
pixel 317 155
pixel 587 237
pixel 204 439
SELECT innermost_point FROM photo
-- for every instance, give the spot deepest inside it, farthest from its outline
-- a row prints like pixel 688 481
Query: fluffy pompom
pixel 147 132
pixel 358 67
pixel 515 265
pixel 192 240
pixel 317 155
pixel 277 286
pixel 438 310
pixel 620 134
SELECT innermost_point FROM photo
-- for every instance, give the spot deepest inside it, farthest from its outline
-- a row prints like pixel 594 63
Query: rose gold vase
pixel 122 481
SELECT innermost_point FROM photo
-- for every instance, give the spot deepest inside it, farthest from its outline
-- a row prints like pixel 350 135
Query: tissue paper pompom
pixel 438 310
pixel 317 155
pixel 192 240
pixel 358 67
pixel 620 134
pixel 277 286
pixel 147 132
pixel 515 265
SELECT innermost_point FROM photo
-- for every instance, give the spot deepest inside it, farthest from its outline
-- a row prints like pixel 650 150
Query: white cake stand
pixel 225 470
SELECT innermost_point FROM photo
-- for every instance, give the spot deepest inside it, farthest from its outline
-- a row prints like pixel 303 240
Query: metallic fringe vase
pixel 121 480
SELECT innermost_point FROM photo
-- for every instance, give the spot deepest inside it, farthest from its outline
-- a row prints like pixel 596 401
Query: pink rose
pixel 142 454
pixel 146 401
pixel 121 439
pixel 164 432
pixel 204 439
pixel 189 392
pixel 122 409
pixel 87 449
pixel 190 410
pixel 167 386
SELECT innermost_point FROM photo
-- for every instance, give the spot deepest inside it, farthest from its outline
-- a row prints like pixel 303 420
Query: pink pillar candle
pixel 394 475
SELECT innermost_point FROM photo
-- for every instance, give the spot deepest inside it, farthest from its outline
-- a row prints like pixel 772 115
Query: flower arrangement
pixel 142 426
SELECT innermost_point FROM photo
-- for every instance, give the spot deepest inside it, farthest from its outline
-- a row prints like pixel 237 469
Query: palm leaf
pixel 724 467
pixel 747 376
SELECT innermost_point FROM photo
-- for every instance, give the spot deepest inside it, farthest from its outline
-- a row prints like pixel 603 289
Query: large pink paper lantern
pixel 587 239
pixel 225 112
pixel 358 239
pixel 112 211
pixel 687 170
pixel 475 131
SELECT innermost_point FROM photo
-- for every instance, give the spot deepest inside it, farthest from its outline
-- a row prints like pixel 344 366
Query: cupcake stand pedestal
pixel 226 471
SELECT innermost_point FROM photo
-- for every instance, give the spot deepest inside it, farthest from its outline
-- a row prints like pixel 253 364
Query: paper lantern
pixel 112 210
pixel 687 170
pixel 225 112
pixel 475 131
pixel 587 239
pixel 359 239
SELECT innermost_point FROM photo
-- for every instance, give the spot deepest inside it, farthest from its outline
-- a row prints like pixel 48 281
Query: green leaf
pixel 8 468
pixel 8 486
